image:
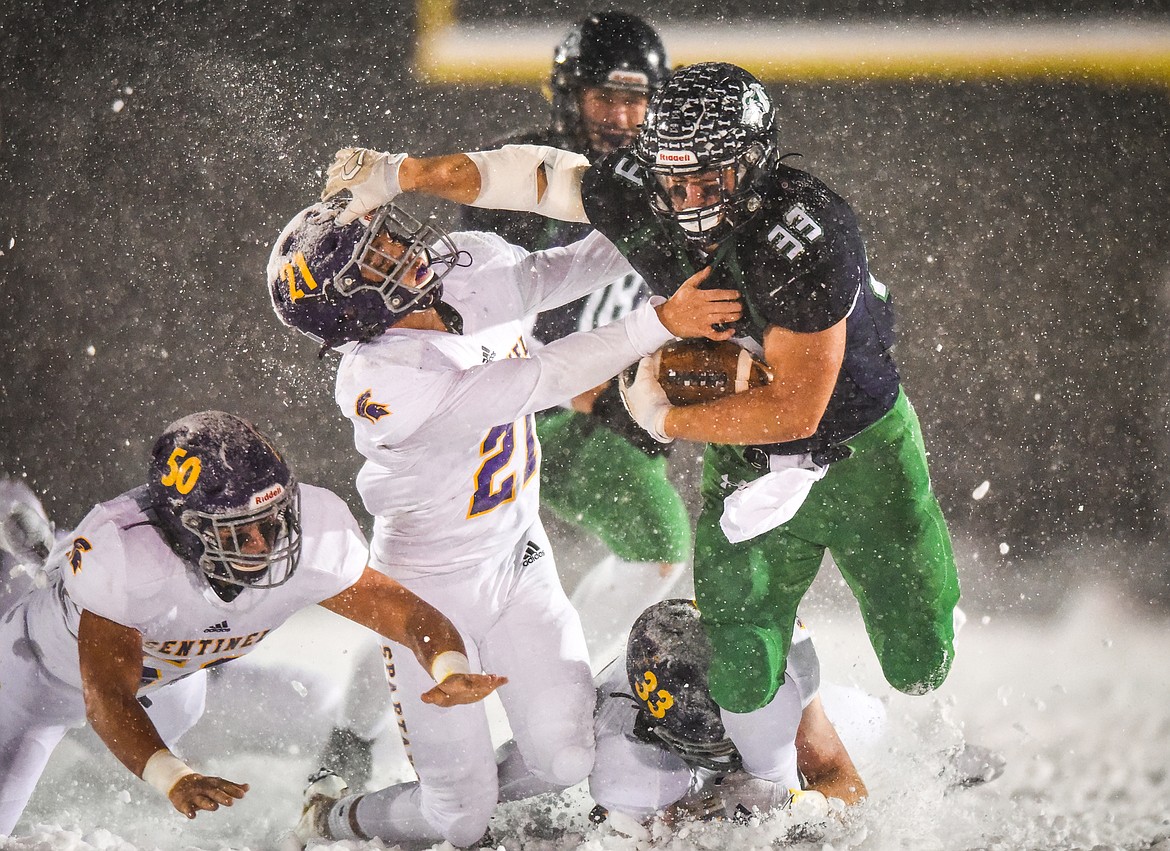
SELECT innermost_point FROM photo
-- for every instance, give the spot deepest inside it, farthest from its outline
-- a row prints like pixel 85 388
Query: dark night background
pixel 1021 224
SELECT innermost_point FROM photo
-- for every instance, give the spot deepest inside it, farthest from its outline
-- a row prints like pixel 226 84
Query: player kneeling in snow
pixel 189 571
pixel 440 382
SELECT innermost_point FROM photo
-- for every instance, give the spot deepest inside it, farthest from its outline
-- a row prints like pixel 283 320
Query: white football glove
pixel 371 177
pixel 645 399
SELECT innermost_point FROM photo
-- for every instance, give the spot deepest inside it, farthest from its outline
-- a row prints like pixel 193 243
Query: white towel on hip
pixel 772 499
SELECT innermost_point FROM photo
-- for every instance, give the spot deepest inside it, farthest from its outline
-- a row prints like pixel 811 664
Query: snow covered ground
pixel 1075 693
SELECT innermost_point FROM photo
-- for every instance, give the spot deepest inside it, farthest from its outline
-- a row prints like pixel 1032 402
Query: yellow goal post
pixel 1106 49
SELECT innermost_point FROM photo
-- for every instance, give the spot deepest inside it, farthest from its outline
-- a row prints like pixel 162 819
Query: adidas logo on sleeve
pixel 531 553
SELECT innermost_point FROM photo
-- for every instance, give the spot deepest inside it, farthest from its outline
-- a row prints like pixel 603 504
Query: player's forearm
pixel 805 367
pixel 109 657
pixel 522 178
pixel 393 611
pixel 453 177
pixel 762 415
pixel 123 725
pixel 560 276
pixel 506 390
pixel 430 635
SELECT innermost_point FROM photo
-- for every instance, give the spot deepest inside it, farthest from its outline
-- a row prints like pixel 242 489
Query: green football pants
pixel 593 478
pixel 876 514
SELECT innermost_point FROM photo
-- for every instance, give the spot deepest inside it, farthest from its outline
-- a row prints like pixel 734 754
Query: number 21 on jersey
pixel 496 479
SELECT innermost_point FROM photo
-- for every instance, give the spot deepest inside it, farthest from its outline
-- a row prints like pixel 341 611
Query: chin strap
pixel 450 316
pixel 226 591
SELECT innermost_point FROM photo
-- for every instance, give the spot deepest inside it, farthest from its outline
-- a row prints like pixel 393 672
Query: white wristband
pixel 447 663
pixel 163 770
pixel 646 332
pixel 385 171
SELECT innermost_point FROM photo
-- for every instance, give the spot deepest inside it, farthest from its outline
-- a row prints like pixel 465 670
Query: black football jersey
pixel 799 264
pixel 534 232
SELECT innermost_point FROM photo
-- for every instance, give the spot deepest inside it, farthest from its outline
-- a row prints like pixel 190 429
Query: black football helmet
pixel 609 50
pixel 226 501
pixel 667 655
pixel 340 283
pixel 712 120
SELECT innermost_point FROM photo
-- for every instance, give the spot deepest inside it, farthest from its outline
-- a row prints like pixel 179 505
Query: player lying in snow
pixel 439 383
pixel 663 747
pixel 192 570
pixel 662 743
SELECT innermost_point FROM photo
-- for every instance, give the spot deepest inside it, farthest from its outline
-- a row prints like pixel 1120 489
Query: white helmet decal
pixel 676 158
pixel 264 497
pixel 756 106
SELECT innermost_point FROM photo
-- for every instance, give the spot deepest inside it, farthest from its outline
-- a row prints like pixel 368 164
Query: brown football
pixel 693 371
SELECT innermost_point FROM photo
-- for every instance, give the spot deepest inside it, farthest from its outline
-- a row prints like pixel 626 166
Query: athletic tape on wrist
pixel 391 165
pixel 447 663
pixel 163 770
pixel 659 430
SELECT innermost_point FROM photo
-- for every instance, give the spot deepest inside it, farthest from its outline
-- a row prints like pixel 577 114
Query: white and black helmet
pixel 709 116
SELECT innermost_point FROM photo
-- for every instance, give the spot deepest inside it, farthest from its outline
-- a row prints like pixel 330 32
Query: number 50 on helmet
pixel 349 283
pixel 226 502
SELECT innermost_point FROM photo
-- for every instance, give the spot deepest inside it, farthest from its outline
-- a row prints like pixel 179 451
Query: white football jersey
pixel 116 565
pixel 445 420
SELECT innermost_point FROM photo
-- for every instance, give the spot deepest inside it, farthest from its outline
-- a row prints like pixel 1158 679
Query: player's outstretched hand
pixel 371 177
pixel 695 312
pixel 463 688
pixel 197 792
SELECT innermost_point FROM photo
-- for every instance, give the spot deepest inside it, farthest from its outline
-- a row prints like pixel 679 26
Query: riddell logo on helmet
pixel 261 499
pixel 676 158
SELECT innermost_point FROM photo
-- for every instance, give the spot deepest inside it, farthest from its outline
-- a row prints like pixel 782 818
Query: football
pixel 693 371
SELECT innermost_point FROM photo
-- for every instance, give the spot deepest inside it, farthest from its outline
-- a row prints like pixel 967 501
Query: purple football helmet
pixel 712 121
pixel 341 283
pixel 227 502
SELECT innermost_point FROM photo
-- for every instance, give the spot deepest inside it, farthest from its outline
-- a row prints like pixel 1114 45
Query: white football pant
pixel 517 622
